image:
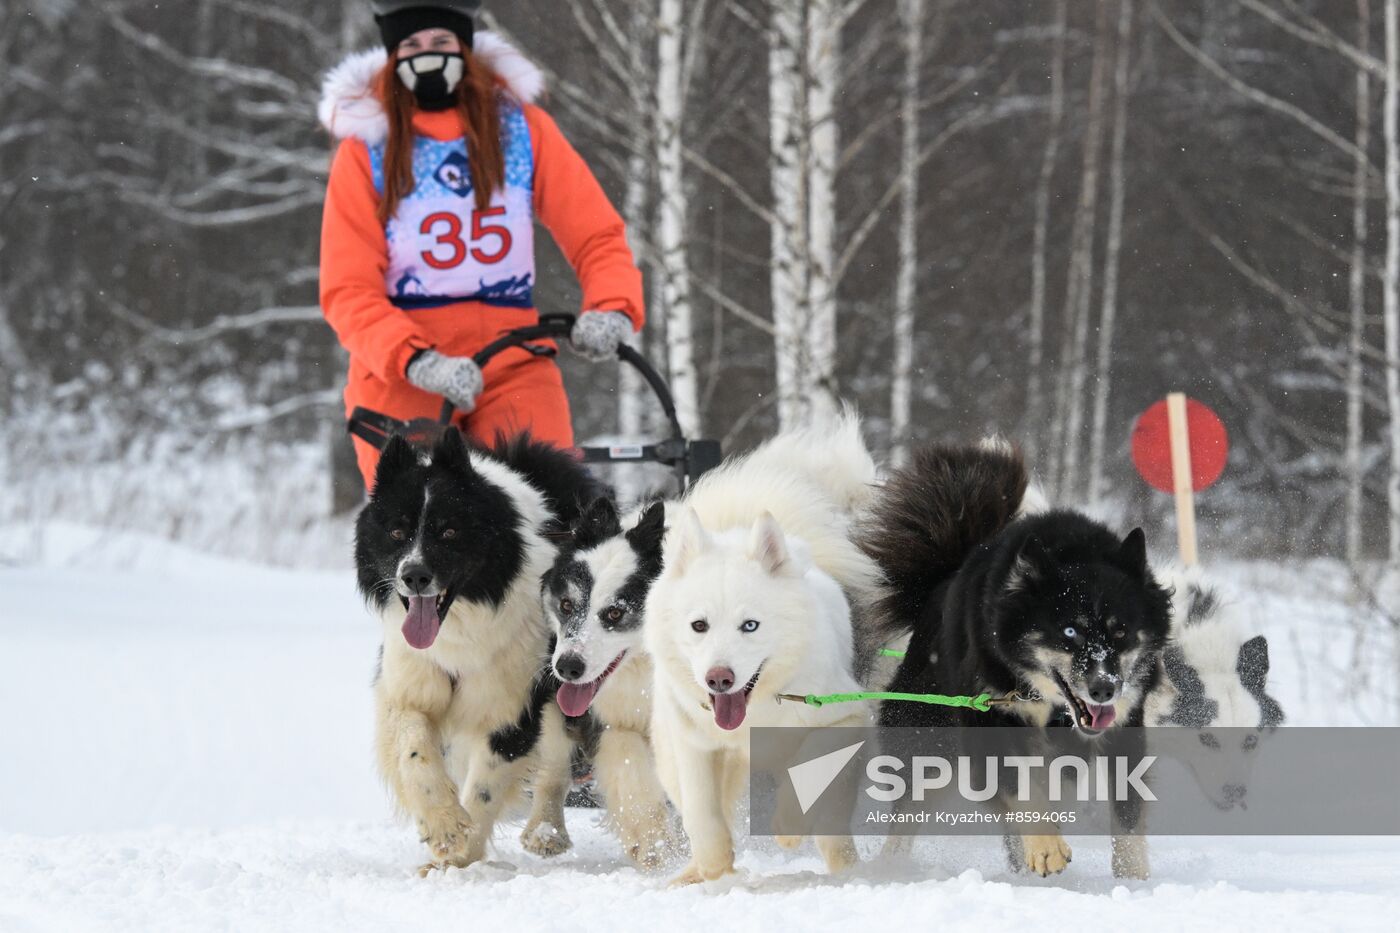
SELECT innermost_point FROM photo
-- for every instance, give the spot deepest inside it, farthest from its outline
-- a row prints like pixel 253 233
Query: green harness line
pixel 983 702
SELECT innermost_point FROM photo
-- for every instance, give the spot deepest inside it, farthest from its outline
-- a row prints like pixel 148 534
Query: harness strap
pixel 983 702
pixel 372 427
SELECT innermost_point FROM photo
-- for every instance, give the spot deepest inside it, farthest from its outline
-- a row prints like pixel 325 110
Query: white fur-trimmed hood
pixel 350 108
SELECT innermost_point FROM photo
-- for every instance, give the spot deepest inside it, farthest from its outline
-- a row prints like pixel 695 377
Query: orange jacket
pixel 567 199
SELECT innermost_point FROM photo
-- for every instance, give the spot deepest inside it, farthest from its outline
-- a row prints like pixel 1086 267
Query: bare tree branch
pixel 245 75
pixel 734 308
pixel 1306 120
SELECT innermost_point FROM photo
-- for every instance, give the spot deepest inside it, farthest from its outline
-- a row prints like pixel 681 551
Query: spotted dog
pixel 594 597
pixel 1215 677
pixel 449 553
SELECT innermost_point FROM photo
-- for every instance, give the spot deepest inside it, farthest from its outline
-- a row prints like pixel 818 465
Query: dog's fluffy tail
pixel 929 517
pixel 829 453
pixel 1034 501
pixel 813 479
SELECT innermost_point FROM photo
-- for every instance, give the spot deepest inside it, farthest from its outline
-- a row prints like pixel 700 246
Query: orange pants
pixel 523 392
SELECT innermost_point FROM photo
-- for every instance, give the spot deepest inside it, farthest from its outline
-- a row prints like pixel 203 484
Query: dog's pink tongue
pixel 420 629
pixel 574 699
pixel 729 709
pixel 1101 717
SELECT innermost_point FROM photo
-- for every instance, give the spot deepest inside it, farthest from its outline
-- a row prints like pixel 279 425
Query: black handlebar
pixel 550 327
pixel 558 327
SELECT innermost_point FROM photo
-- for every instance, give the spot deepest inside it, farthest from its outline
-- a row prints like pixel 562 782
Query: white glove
pixel 597 334
pixel 455 378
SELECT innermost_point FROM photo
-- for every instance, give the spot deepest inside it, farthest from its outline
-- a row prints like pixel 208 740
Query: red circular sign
pixel 1152 449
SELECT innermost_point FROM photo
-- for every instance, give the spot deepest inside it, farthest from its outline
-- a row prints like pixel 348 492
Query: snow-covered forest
pixel 1034 217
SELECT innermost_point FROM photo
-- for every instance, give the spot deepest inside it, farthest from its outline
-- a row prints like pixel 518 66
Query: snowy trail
pixel 180 690
pixel 187 747
pixel 350 877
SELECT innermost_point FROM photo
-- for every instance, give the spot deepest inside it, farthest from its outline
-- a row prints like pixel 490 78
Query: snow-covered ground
pixel 186 747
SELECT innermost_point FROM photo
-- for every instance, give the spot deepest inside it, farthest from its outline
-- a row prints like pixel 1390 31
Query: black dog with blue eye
pixel 1053 606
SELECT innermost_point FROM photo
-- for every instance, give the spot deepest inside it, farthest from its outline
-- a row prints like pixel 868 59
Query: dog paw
pixel 1046 855
pixel 650 850
pixel 648 837
pixel 427 869
pixel 1130 858
pixel 447 836
pixel 688 876
pixel 694 874
pixel 647 856
pixel 839 853
pixel 545 840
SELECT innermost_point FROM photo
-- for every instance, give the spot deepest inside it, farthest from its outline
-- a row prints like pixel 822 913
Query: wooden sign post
pixel 1180 446
pixel 1180 434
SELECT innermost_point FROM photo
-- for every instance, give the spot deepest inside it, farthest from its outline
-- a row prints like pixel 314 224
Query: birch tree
pixel 1392 265
pixel 1035 388
pixel 16 131
pixel 790 259
pixel 1355 385
pixel 673 208
pixel 804 65
pixel 824 21
pixel 1079 284
pixel 911 20
pixel 1109 315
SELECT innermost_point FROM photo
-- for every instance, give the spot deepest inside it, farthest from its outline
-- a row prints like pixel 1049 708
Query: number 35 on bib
pixel 442 248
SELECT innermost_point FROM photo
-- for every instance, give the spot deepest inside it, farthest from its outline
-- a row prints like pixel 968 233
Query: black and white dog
pixel 450 551
pixel 594 597
pixel 1216 677
pixel 1052 606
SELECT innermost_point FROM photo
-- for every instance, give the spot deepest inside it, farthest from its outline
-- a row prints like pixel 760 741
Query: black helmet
pixel 399 19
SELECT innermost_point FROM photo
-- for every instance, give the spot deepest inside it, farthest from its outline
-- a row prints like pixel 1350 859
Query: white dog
pixel 753 602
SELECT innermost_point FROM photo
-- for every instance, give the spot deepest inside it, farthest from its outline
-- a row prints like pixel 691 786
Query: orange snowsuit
pixel 383 313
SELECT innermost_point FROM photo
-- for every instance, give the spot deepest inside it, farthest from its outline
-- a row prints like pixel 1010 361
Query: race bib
pixel 442 248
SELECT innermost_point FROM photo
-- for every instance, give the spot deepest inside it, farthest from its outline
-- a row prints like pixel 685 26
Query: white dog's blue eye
pixel 1071 632
pixel 700 625
pixel 749 626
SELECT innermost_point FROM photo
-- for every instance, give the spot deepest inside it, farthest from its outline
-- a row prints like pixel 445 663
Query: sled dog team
pixel 524 613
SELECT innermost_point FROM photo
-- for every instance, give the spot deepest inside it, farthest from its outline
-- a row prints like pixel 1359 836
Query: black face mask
pixel 433 78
